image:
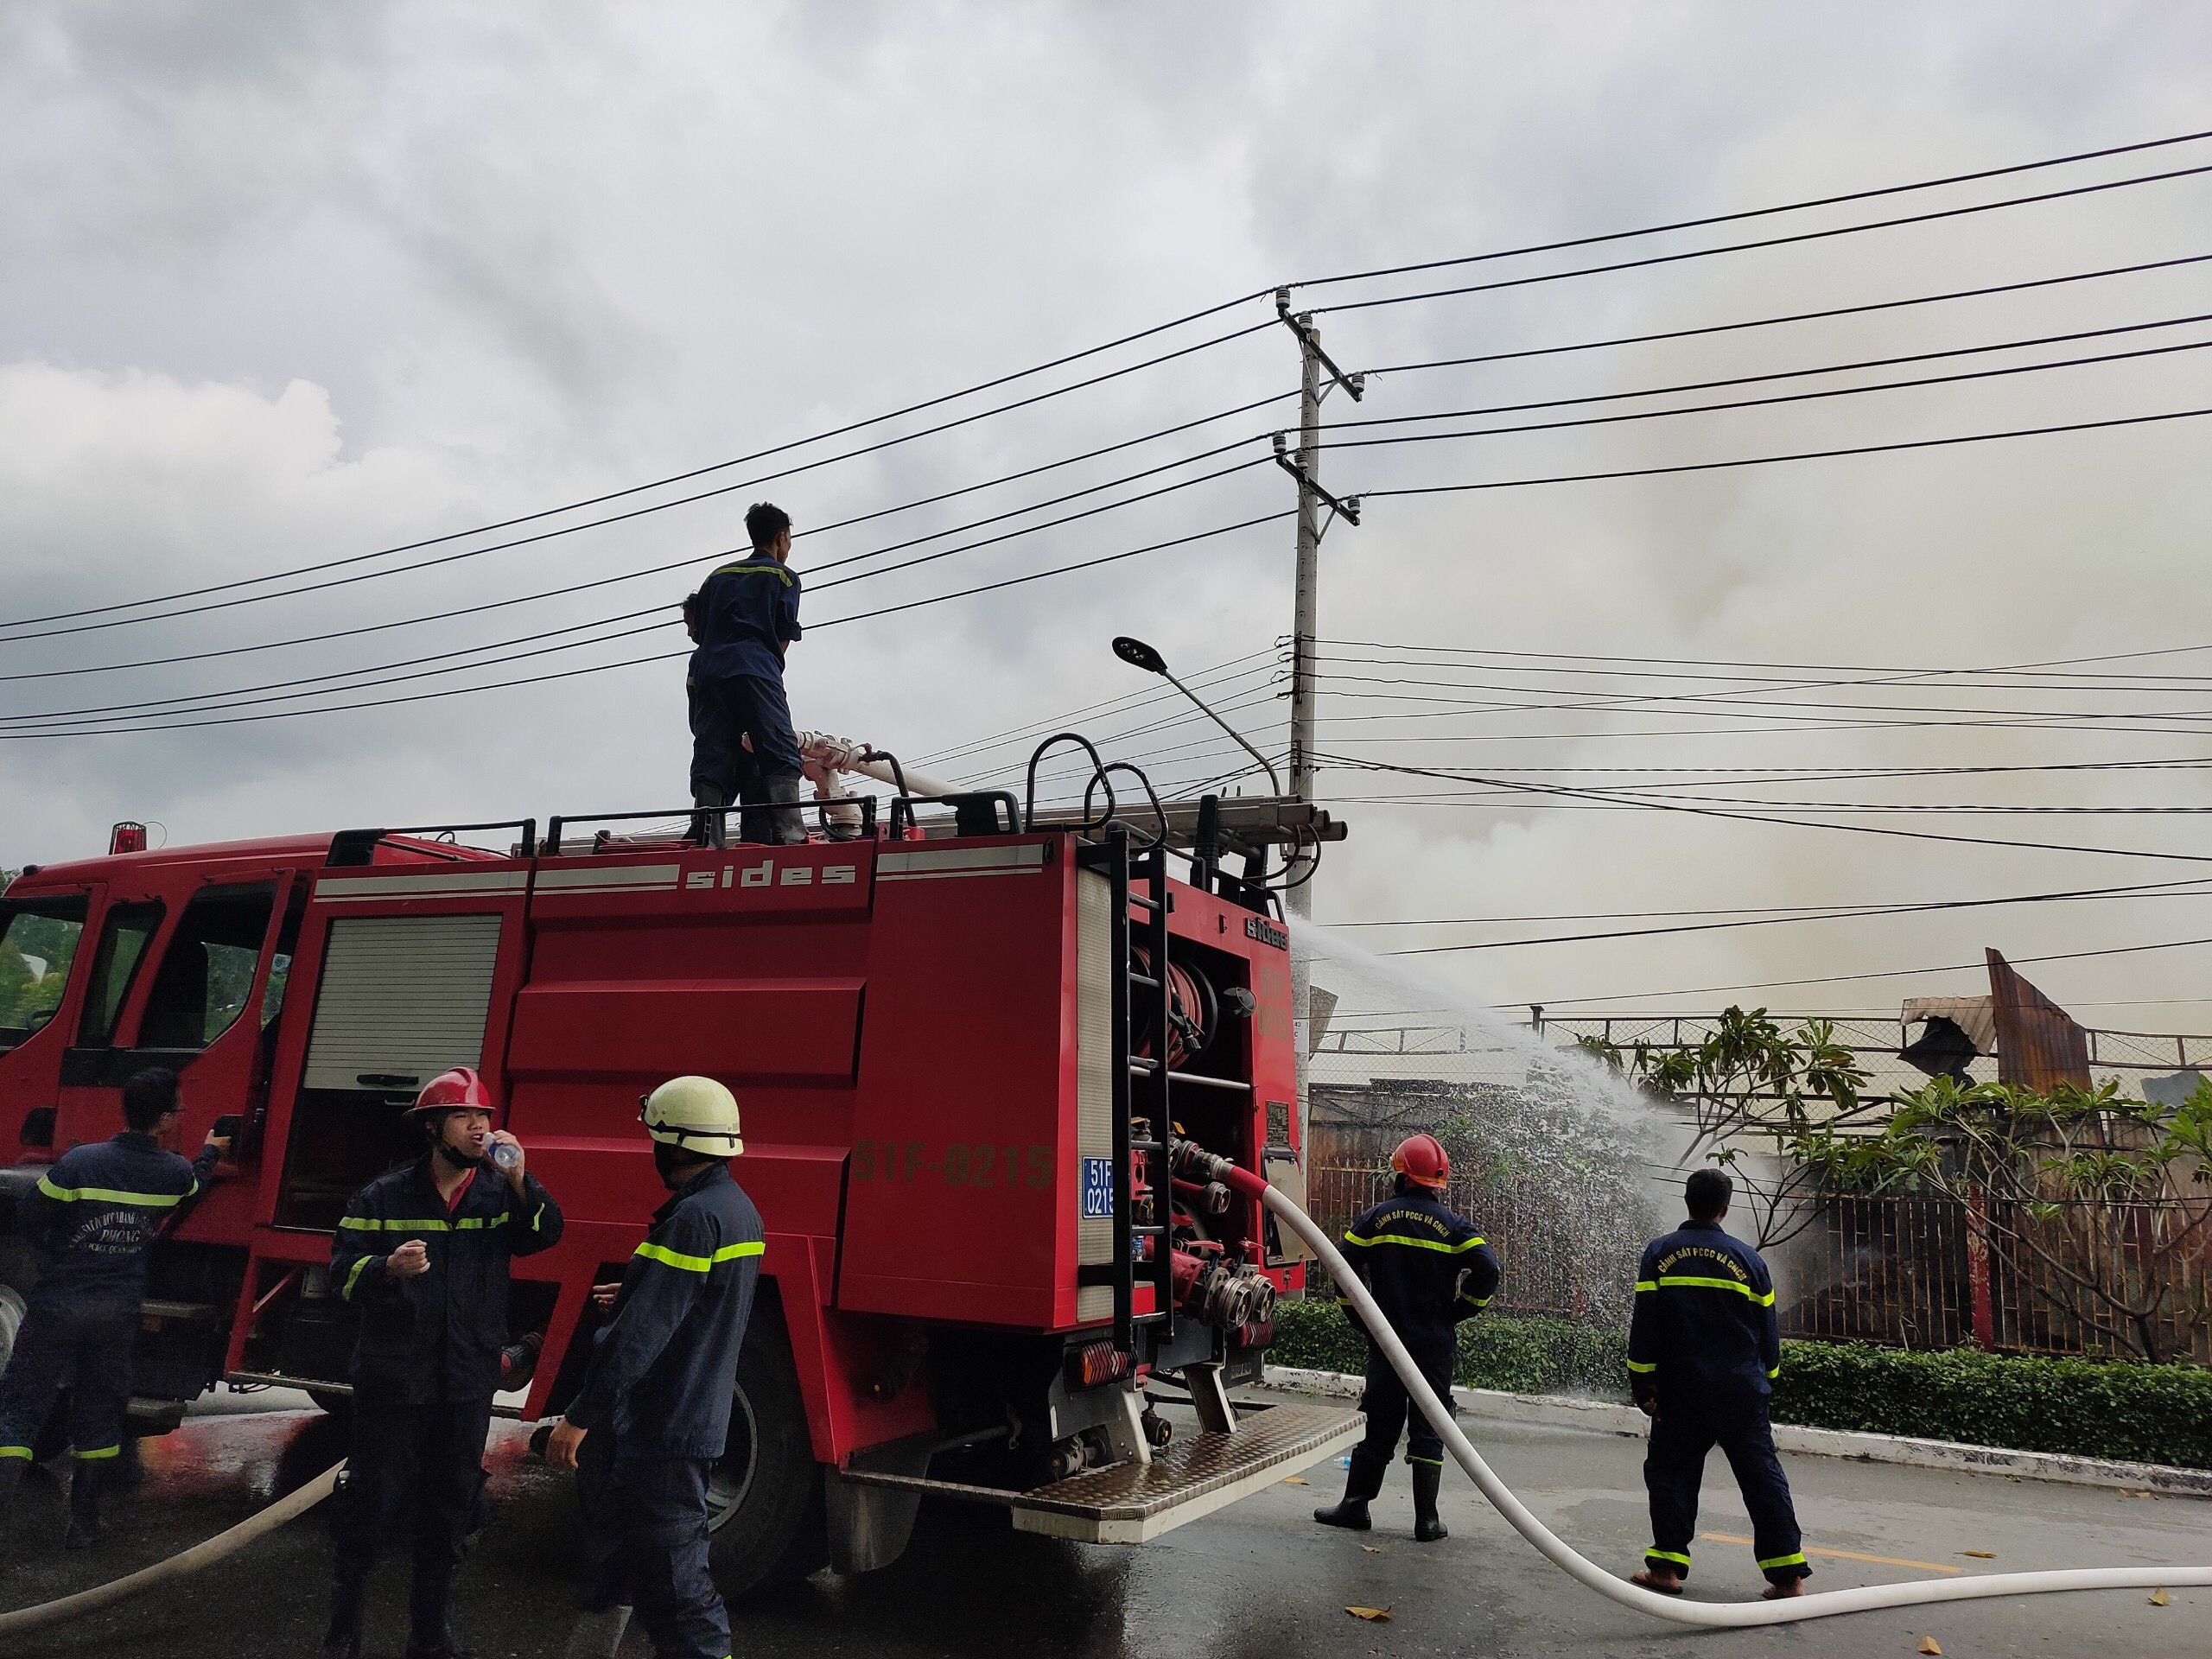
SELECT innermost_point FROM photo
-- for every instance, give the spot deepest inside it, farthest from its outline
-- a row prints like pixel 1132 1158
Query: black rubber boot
pixel 429 1636
pixel 709 829
pixel 1361 1485
pixel 85 1526
pixel 349 1605
pixel 1427 1529
pixel 11 1476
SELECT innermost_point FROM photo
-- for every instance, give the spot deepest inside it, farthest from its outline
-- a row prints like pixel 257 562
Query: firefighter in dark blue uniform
pixel 94 1216
pixel 1703 1346
pixel 652 1414
pixel 423 1253
pixel 1428 1269
pixel 743 747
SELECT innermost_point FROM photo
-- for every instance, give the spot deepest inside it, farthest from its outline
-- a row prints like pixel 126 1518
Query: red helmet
pixel 1422 1159
pixel 459 1089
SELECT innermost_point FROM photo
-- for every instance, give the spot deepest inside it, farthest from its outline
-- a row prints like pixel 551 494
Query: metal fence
pixel 1533 1282
pixel 1902 1272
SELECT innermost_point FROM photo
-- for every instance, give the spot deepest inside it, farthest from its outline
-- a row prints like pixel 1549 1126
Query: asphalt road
pixel 1258 1581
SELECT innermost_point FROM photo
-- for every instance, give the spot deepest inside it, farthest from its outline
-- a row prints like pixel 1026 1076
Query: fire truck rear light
pixel 127 838
pixel 1098 1363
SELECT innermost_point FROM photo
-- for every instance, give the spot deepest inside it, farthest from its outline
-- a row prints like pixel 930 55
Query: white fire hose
pixel 181 1565
pixel 1724 1615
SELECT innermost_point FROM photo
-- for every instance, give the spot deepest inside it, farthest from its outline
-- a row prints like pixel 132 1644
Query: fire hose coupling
pixel 1198 1166
pixel 1217 1294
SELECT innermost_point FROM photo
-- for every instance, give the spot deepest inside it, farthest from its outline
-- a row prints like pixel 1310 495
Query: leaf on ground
pixel 1372 1615
pixel 1294 1480
pixel 1930 1644
pixel 1372 1549
pixel 1981 1554
pixel 2160 1599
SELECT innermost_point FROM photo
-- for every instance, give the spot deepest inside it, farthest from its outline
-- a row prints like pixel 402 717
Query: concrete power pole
pixel 1318 377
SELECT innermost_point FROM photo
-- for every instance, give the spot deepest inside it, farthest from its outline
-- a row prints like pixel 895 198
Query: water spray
pixel 1580 1567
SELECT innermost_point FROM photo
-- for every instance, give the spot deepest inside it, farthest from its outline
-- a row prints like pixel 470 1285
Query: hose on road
pixel 181 1565
pixel 1722 1615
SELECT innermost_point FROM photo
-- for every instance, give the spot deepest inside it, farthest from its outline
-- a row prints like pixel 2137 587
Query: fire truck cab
pixel 970 1051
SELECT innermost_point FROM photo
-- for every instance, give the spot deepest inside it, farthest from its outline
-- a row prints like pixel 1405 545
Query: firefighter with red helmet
pixel 423 1253
pixel 653 1416
pixel 1428 1269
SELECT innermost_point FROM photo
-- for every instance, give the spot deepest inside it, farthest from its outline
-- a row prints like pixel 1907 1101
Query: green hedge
pixel 1523 1356
pixel 2096 1408
pixel 2086 1408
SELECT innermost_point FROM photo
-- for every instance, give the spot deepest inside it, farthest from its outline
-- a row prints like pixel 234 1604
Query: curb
pixel 1606 1417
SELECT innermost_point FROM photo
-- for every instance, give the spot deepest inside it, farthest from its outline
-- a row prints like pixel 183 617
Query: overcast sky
pixel 284 285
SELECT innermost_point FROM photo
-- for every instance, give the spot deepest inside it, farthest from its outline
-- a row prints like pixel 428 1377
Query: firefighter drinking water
pixel 743 745
pixel 94 1215
pixel 1703 1345
pixel 652 1415
pixel 423 1253
pixel 1428 1269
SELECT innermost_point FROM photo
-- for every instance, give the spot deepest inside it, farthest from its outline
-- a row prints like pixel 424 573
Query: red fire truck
pixel 973 1052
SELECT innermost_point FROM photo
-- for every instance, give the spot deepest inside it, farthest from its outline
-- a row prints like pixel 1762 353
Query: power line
pixel 1802 455
pixel 1803 373
pixel 1893 973
pixel 1932 216
pixel 1761 817
pixel 739 460
pixel 1783 921
pixel 1761 212
pixel 633 662
pixel 1850 908
pixel 1826 315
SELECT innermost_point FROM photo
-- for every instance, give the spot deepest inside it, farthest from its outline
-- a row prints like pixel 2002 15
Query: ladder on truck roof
pixel 1141 1241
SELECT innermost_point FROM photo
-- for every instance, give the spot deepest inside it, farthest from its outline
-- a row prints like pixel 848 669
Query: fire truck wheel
pixel 764 1501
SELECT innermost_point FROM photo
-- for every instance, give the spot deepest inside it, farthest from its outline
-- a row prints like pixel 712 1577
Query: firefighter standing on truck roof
pixel 1703 1345
pixel 652 1415
pixel 1428 1269
pixel 423 1253
pixel 743 744
pixel 94 1215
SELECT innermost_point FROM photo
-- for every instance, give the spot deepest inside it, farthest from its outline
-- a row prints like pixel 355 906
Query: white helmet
pixel 696 1114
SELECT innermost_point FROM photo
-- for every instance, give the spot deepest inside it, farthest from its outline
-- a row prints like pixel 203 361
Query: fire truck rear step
pixel 1129 1503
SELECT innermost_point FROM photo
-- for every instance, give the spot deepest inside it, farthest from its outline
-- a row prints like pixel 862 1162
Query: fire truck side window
pixel 38 943
pixel 206 972
pixel 123 938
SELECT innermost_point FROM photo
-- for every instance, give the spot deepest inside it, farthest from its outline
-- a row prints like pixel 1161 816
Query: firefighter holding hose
pixel 94 1216
pixel 423 1253
pixel 1703 1347
pixel 1428 1269
pixel 652 1415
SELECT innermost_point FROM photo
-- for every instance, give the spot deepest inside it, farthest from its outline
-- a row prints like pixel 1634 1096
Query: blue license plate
pixel 1097 1188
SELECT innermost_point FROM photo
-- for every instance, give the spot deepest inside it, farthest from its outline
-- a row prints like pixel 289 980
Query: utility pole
pixel 1319 376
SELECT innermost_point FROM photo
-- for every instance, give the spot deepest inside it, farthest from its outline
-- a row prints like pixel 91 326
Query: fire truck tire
pixel 765 1499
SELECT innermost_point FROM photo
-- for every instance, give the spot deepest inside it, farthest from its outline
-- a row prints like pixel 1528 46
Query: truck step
pixel 1130 1503
pixel 161 1309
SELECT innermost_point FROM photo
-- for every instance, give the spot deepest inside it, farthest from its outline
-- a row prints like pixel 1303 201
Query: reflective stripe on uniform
pixel 97 1452
pixel 1775 1372
pixel 23 1452
pixel 1797 1560
pixel 535 1216
pixel 1474 1301
pixel 466 1225
pixel 1415 1243
pixel 1666 1555
pixel 662 1254
pixel 352 1278
pixel 1685 1281
pixel 109 1195
pixel 1639 1367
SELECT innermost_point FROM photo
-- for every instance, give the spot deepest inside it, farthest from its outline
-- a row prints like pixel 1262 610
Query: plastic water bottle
pixel 506 1157
pixel 1344 1462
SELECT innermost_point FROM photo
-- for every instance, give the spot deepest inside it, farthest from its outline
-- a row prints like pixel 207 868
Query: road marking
pixel 1846 1555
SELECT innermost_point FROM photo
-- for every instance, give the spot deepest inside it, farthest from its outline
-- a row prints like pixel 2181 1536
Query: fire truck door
pixel 176 997
pixel 399 998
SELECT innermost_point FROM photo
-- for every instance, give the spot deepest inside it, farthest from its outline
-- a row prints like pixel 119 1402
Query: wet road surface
pixel 1258 1581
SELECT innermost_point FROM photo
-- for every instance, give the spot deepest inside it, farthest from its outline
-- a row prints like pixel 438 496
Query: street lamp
pixel 1137 654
